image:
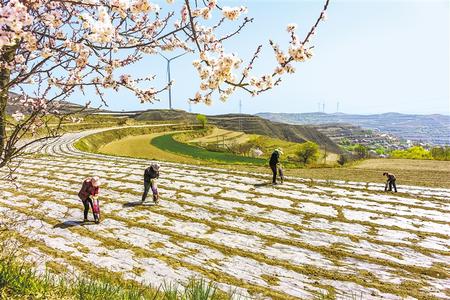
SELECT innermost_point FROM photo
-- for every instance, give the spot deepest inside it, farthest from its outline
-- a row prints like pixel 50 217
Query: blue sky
pixel 371 56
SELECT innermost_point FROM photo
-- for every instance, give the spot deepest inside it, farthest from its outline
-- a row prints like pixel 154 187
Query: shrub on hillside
pixel 202 120
pixel 308 152
pixel 380 150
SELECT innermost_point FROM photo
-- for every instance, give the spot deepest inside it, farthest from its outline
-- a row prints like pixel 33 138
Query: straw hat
pixel 155 166
pixel 279 151
pixel 95 181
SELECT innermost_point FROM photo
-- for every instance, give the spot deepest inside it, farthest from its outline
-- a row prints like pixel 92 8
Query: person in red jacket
pixel 89 191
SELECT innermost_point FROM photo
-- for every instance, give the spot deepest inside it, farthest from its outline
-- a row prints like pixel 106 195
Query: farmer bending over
pixel 274 164
pixel 89 191
pixel 390 182
pixel 150 176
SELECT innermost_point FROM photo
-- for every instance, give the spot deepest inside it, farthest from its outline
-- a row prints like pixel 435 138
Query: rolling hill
pixel 63 106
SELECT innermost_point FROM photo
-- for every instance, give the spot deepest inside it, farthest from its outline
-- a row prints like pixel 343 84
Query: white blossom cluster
pixel 233 13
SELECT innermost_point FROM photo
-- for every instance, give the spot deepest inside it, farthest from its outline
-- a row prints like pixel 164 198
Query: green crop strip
pixel 168 143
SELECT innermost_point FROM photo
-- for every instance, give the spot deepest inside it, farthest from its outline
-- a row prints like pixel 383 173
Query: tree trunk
pixel 7 55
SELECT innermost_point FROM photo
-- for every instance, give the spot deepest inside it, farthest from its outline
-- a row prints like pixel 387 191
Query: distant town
pixel 389 131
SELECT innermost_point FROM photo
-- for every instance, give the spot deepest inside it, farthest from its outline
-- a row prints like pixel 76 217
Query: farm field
pixel 162 146
pixel 297 240
pixel 171 146
pixel 409 172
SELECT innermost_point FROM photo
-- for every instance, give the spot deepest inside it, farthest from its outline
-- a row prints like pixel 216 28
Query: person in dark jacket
pixel 150 176
pixel 390 182
pixel 274 162
pixel 89 191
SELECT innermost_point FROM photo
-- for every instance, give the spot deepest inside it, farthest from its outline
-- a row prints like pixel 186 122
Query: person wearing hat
pixel 89 191
pixel 274 163
pixel 390 182
pixel 150 176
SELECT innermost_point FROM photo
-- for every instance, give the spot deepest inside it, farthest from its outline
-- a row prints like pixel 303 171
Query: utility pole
pixel 323 107
pixel 337 108
pixel 169 60
pixel 190 106
pixel 240 113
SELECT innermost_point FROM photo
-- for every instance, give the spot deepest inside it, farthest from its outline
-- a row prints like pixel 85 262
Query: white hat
pixel 155 166
pixel 95 181
pixel 279 151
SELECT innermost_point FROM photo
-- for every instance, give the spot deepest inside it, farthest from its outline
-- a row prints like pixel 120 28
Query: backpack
pixel 83 193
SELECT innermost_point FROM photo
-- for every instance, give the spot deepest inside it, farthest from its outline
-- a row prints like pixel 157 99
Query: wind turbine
pixel 169 60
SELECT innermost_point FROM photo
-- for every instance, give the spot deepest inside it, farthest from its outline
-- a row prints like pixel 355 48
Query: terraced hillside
pixel 249 124
pixel 302 239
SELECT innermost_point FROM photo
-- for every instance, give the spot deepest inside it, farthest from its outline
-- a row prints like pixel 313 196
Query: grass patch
pixel 19 281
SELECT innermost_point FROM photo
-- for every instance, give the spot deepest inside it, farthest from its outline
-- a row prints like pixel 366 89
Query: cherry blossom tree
pixel 51 49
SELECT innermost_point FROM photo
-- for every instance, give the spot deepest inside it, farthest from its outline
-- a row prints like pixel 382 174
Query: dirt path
pixel 297 240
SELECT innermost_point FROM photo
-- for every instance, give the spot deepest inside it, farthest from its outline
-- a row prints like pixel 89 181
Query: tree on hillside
pixel 202 120
pixel 52 49
pixel 440 153
pixel 308 152
pixel 361 151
